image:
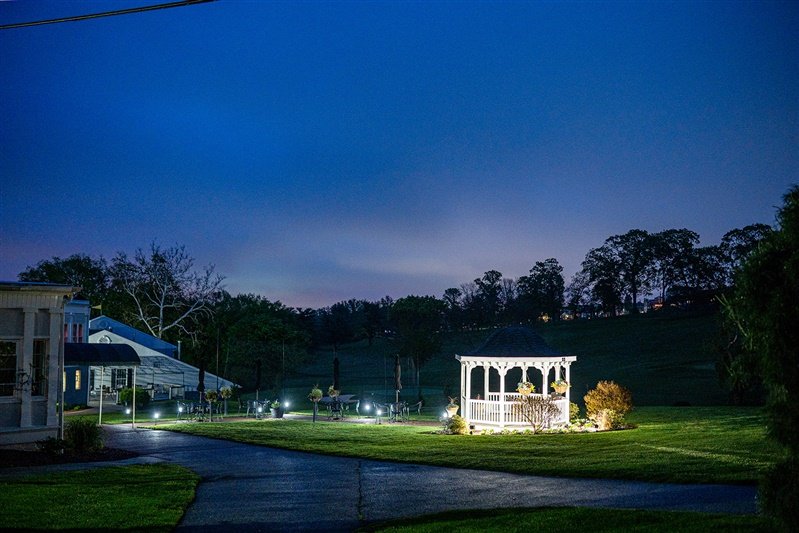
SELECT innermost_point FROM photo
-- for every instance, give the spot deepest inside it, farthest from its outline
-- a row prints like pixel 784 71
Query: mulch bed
pixel 10 458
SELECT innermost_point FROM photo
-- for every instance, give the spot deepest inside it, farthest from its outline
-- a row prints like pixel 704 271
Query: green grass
pixel 572 519
pixel 664 358
pixel 136 497
pixel 689 445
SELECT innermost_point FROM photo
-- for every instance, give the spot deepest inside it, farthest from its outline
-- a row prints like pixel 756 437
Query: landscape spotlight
pixel 260 409
pixel 286 404
pixel 379 412
pixel 127 411
pixel 180 409
pixel 156 415
pixel 366 407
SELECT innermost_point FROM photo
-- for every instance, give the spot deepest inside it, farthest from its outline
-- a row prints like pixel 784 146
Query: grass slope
pixel 665 359
pixel 689 445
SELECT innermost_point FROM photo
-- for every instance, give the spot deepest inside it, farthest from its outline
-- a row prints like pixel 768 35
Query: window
pixel 8 367
pixel 39 367
pixel 121 379
pixel 77 379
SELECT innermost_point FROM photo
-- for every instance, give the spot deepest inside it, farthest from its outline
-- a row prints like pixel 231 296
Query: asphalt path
pixel 254 488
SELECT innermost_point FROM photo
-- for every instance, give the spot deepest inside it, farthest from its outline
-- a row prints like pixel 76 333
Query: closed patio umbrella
pixel 336 374
pixel 201 380
pixel 397 376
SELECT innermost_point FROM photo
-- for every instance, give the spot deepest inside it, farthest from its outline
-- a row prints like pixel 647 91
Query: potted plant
pixel 277 412
pixel 560 385
pixel 316 394
pixel 333 393
pixel 225 393
pixel 525 388
pixel 452 407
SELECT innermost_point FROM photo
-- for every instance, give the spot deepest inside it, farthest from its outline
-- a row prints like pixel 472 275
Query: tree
pixel 542 290
pixel 165 291
pixel 765 309
pixel 672 250
pixel 620 268
pixel 418 322
pixel 372 320
pixel 78 270
pixel 737 244
pixel 454 311
pixel 488 291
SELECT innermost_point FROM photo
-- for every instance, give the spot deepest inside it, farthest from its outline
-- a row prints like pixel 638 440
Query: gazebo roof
pixel 515 341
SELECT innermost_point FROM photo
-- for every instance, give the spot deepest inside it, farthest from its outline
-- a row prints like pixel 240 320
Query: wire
pixel 104 14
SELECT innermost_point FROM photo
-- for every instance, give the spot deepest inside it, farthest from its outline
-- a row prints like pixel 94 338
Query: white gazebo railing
pixel 493 412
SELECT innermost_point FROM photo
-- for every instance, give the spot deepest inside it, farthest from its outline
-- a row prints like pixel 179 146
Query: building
pixel 31 358
pixel 162 374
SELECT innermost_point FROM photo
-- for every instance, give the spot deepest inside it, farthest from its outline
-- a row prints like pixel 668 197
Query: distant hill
pixel 665 359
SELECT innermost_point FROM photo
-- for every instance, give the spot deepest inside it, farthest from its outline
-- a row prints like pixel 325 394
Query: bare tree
pixel 165 290
pixel 538 411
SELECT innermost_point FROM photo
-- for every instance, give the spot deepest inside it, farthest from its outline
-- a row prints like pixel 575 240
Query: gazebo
pixel 508 354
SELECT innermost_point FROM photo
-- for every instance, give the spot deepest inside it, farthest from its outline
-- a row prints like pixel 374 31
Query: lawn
pixel 136 497
pixel 670 444
pixel 571 519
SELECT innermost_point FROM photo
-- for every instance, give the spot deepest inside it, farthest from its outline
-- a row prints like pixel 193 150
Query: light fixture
pixel 180 409
pixel 366 407
pixel 127 411
pixel 260 409
pixel 379 412
pixel 286 404
pixel 156 415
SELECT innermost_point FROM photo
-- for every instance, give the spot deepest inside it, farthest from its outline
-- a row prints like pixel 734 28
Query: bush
pixel 574 412
pixel 52 446
pixel 607 404
pixel 83 435
pixel 142 398
pixel 457 426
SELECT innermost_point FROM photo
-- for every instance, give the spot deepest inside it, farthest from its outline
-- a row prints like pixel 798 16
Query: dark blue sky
pixel 318 151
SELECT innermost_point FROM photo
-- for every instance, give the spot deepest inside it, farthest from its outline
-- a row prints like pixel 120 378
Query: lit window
pixel 77 379
pixel 39 367
pixel 8 367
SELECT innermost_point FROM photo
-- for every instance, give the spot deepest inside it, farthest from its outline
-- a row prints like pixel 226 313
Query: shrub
pixel 52 446
pixel 83 435
pixel 574 412
pixel 457 426
pixel 607 404
pixel 142 398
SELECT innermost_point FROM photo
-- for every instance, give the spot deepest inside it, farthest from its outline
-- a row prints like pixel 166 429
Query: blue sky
pixel 320 151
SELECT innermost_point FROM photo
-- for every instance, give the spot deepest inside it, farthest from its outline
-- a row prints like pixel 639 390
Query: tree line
pixel 256 341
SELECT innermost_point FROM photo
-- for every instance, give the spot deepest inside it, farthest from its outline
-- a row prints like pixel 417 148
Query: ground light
pixel 366 408
pixel 127 411
pixel 156 415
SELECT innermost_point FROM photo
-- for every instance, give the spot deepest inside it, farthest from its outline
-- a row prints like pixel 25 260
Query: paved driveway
pixel 253 488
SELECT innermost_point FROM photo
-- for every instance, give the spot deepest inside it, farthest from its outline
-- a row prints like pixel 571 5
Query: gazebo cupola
pixel 507 357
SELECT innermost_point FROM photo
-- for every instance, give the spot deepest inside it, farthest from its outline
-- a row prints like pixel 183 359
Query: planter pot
pixel 277 412
pixel 524 391
pixel 452 410
pixel 560 389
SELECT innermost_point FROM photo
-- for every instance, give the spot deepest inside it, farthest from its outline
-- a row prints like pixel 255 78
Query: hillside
pixel 664 359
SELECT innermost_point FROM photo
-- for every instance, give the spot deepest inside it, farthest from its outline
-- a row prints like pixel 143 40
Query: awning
pixel 82 354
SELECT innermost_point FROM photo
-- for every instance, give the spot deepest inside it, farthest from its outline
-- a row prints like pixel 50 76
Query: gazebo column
pixel 545 373
pixel 503 370
pixel 466 412
pixel 486 374
pixel 569 381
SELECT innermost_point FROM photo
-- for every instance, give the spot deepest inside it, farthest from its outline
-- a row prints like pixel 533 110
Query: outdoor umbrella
pixel 397 376
pixel 201 380
pixel 336 374
pixel 257 378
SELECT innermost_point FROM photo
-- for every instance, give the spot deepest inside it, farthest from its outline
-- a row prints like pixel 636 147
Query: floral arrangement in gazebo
pixel 525 387
pixel 560 385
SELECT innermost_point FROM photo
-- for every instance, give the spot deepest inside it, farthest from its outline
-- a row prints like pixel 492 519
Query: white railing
pixel 489 412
